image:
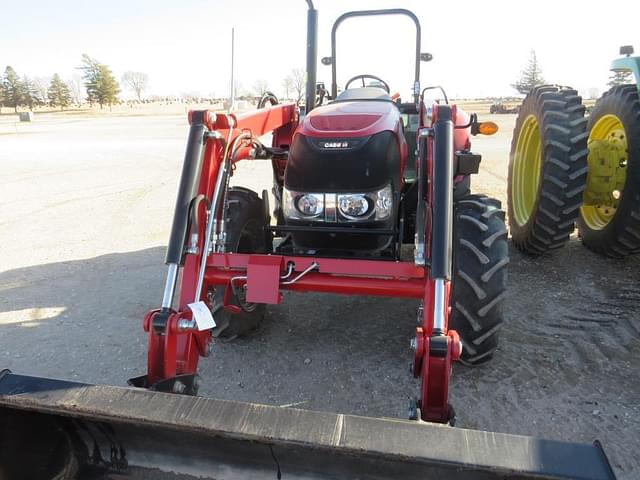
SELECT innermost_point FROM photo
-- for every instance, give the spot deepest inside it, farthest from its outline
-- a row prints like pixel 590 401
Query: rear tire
pixel 547 169
pixel 246 219
pixel 480 260
pixel 620 236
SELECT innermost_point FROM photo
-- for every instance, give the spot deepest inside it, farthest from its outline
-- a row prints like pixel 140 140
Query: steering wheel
pixel 362 77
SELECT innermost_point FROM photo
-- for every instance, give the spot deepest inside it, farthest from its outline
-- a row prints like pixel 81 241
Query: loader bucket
pixel 58 429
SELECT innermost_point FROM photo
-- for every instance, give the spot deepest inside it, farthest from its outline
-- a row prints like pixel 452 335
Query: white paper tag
pixel 202 315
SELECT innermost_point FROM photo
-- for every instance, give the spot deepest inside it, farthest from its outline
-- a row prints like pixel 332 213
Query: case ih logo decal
pixel 335 145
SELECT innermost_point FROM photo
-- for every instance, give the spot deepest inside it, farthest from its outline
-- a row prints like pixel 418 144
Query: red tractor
pixel 356 182
pixel 372 197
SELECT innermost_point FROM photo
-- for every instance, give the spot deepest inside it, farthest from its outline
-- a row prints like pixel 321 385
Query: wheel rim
pixel 241 296
pixel 527 161
pixel 607 172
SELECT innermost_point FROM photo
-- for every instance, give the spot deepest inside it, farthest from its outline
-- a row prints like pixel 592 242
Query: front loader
pixel 372 197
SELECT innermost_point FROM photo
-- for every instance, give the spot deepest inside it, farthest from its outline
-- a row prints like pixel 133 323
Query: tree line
pixel 531 76
pixel 98 82
pixel 98 86
pixel 22 91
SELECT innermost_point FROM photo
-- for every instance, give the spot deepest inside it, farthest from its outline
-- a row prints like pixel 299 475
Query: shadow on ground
pixel 80 320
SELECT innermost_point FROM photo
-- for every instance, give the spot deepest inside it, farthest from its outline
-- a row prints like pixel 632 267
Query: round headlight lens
pixel 353 205
pixel 310 204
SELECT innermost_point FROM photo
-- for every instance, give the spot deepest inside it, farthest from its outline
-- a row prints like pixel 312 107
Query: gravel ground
pixel 85 209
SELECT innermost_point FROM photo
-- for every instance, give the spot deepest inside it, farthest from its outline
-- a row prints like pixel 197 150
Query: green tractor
pixel 566 169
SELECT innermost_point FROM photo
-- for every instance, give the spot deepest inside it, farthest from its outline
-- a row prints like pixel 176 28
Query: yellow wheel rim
pixel 525 178
pixel 607 172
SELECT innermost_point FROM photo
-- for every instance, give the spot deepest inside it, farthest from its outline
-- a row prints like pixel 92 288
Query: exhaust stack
pixel 312 55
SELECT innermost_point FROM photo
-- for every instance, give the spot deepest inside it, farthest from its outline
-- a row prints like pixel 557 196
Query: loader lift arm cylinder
pixel 442 185
pixel 187 190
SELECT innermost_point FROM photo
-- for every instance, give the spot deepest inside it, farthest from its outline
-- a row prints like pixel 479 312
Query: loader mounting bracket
pixel 160 320
pixel 439 346
pixel 186 384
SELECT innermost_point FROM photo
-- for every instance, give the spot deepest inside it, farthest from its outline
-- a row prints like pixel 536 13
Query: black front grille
pixel 365 164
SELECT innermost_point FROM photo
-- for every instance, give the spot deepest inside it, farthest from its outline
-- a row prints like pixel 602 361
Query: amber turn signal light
pixel 487 128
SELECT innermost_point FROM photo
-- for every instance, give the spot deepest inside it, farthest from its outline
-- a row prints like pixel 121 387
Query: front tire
pixel 480 260
pixel 246 222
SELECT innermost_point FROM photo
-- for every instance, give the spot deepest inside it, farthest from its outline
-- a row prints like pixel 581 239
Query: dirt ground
pixel 85 210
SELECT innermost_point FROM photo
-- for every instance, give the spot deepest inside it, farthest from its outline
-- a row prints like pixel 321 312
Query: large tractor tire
pixel 547 169
pixel 246 219
pixel 609 221
pixel 480 259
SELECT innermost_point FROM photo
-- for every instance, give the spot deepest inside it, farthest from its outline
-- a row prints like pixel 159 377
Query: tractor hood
pixel 351 119
pixel 348 147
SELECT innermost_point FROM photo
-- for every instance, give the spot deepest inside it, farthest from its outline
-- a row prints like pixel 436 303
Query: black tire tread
pixel 560 116
pixel 245 212
pixel 621 237
pixel 479 276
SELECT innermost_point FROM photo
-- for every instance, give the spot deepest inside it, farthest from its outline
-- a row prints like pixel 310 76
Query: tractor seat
pixel 363 93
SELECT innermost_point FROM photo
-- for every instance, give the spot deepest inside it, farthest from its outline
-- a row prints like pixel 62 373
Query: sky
pixel 478 47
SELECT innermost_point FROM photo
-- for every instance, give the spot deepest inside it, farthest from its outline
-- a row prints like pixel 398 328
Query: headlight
pixel 310 204
pixel 303 206
pixel 354 206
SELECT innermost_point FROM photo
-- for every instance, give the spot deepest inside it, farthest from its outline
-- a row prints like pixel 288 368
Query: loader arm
pixel 175 344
